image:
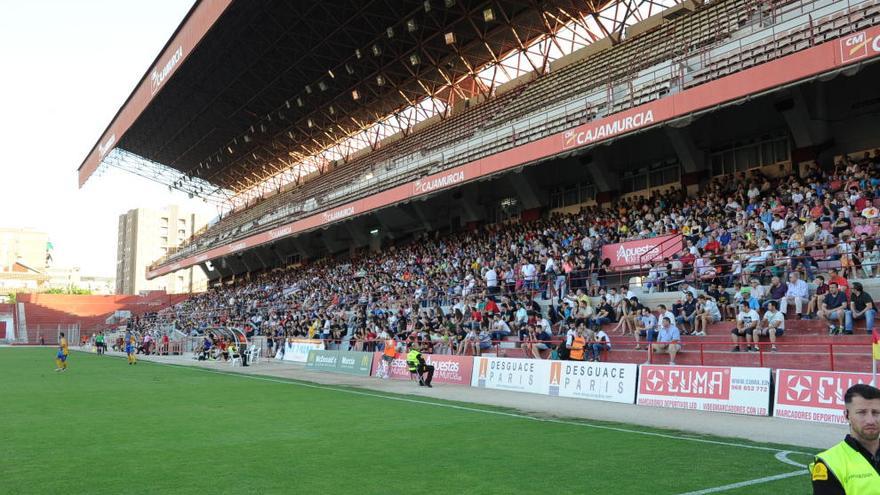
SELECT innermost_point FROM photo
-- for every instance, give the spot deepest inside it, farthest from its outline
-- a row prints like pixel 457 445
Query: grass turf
pixel 106 427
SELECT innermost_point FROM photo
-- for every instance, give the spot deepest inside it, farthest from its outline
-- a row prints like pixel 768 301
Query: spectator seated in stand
pixel 773 325
pixel 668 340
pixel 861 306
pixel 646 326
pixel 833 308
pixel 707 313
pixel 601 342
pixel 747 321
pixel 797 292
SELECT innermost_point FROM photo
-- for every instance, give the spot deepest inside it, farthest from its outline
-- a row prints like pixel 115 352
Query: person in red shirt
pixel 687 261
pixel 861 204
pixel 817 210
pixel 835 278
pixel 835 185
pixel 492 306
pixel 712 245
pixel 223 352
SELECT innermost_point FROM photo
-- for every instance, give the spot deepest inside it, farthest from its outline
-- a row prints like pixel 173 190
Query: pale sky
pixel 66 66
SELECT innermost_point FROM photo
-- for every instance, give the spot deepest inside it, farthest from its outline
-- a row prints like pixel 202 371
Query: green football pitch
pixel 106 427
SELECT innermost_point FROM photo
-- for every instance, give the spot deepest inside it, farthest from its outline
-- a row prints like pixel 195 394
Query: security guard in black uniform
pixel 417 365
pixel 852 467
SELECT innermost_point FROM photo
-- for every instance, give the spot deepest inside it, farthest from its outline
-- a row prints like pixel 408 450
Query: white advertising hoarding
pixel 298 350
pixel 613 382
pixel 518 375
pixel 814 395
pixel 707 388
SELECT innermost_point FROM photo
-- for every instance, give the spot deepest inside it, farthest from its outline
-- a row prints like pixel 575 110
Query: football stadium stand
pixel 707 144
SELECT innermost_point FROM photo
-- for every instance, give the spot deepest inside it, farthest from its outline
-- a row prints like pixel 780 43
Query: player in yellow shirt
pixel 61 357
pixel 131 347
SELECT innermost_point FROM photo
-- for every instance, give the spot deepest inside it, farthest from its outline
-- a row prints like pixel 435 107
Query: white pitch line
pixel 742 484
pixel 783 457
pixel 488 411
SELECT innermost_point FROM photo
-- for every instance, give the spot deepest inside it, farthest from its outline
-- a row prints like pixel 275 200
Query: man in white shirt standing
pixel 798 292
pixel 491 278
pixel 529 272
pixel 747 321
pixel 550 265
pixel 773 326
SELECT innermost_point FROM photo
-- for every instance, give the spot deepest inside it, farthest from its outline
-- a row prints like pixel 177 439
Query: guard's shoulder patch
pixel 819 472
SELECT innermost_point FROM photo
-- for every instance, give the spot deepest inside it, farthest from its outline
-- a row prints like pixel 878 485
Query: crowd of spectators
pixel 752 242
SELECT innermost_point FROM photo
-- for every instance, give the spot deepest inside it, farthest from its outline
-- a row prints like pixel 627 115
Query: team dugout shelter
pixel 323 128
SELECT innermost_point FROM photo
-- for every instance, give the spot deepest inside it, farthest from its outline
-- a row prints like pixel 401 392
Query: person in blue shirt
pixel 646 324
pixel 668 340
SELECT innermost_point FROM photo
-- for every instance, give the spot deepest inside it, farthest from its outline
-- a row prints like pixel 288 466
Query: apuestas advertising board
pixel 351 362
pixel 298 350
pixel 447 368
pixel 518 375
pixel 614 382
pixel 707 388
pixel 814 395
pixel 642 251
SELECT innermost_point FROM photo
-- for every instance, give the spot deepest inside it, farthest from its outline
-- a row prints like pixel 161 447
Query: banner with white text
pixel 298 350
pixel 814 395
pixel 707 388
pixel 447 368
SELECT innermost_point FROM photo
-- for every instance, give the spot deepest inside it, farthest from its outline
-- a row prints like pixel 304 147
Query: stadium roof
pixel 243 90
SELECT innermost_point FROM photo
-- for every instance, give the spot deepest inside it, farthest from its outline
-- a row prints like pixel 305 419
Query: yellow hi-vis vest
pixel 412 360
pixel 856 475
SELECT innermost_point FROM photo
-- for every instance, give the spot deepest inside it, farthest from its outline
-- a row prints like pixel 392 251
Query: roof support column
pixel 604 175
pixel 423 217
pixel 693 160
pixel 525 192
pixel 472 210
pixel 806 131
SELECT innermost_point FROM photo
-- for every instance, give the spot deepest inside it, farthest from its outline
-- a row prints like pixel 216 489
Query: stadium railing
pixel 711 353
